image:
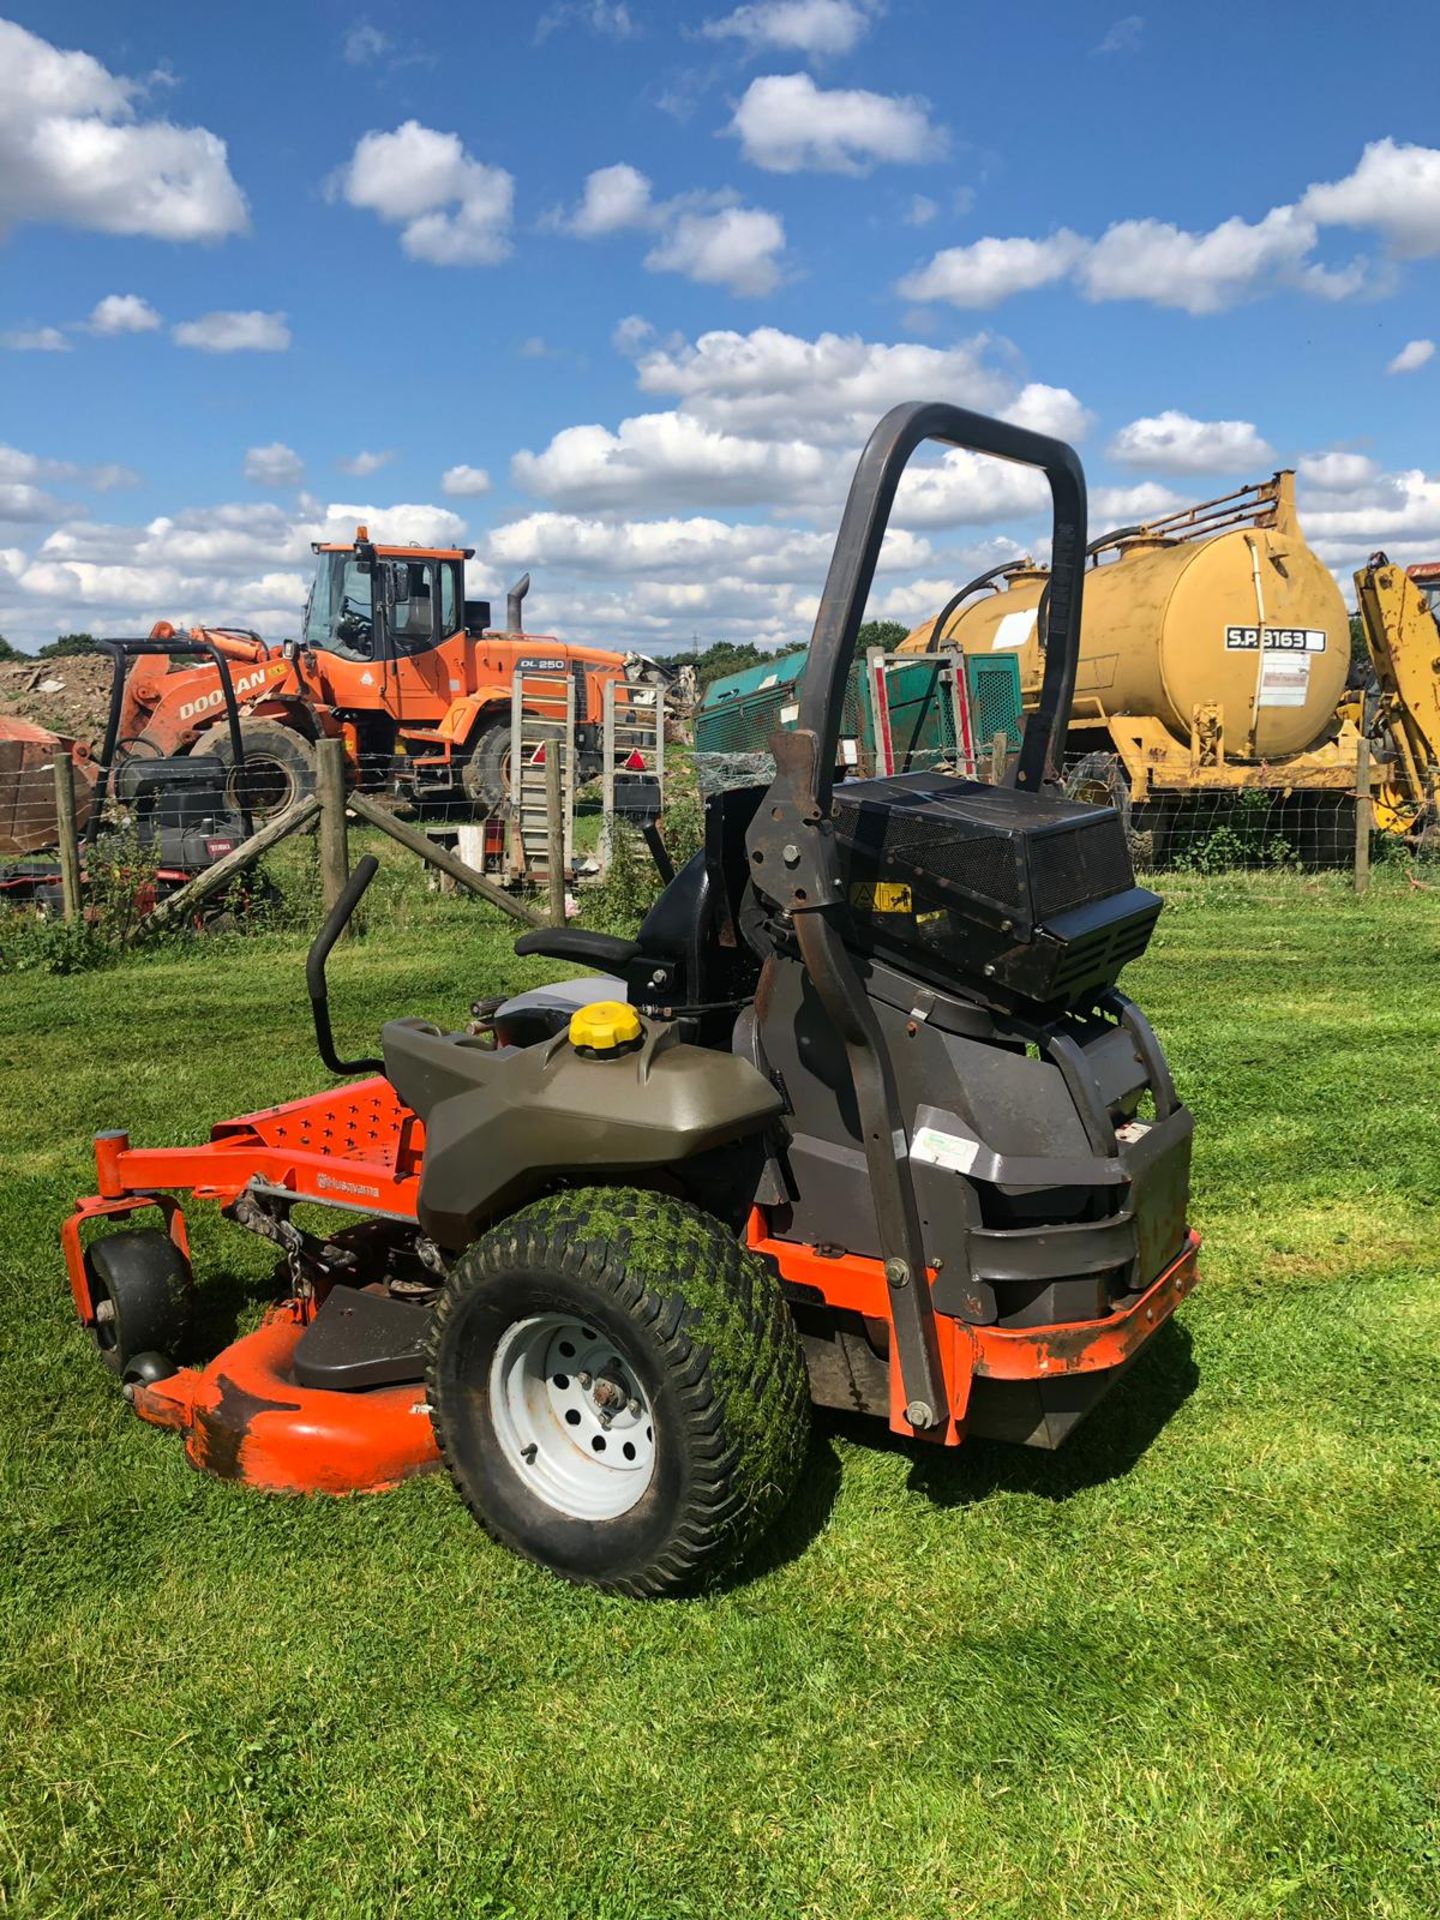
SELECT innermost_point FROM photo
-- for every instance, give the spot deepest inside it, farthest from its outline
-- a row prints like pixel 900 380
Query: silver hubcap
pixel 571 1418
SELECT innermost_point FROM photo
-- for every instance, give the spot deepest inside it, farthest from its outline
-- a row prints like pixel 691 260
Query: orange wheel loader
pixel 394 660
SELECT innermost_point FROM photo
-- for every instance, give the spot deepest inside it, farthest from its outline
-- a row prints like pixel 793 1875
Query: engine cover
pixel 1020 895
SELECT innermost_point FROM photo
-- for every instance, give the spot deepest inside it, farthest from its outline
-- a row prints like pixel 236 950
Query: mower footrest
pixel 359 1340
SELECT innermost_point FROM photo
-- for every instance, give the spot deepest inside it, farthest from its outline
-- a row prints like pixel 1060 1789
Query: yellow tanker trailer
pixel 1214 653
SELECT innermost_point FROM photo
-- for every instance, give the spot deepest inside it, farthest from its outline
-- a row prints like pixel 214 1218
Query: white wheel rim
pixel 571 1418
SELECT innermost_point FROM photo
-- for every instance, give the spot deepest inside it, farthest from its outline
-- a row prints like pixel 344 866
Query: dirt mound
pixel 69 696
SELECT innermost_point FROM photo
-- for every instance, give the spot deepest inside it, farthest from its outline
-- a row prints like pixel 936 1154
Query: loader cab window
pixel 409 587
pixel 340 617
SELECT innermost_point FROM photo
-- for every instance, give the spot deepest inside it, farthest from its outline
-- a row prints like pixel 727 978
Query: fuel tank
pixel 1173 617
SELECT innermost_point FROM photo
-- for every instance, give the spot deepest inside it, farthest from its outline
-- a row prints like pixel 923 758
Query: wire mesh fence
pixel 165 825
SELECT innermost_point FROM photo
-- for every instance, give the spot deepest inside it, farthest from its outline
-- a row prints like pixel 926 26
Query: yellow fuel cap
pixel 604 1026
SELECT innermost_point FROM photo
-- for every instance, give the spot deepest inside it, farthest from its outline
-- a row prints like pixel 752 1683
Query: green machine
pixel 903 713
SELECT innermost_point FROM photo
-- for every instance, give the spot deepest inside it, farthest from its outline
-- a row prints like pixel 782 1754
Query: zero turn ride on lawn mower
pixel 858 1117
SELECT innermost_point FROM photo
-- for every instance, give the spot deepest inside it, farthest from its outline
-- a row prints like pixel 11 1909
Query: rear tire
pixel 1101 779
pixel 614 1301
pixel 486 774
pixel 141 1289
pixel 279 766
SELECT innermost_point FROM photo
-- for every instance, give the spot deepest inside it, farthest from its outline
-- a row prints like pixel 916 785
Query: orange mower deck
pixel 358 1148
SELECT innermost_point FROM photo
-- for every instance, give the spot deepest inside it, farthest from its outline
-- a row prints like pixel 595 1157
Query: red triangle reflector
pixel 537 759
pixel 636 762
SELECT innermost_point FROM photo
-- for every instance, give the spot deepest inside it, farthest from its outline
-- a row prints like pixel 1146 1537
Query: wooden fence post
pixel 554 836
pixel 69 835
pixel 334 835
pixel 1363 812
pixel 999 754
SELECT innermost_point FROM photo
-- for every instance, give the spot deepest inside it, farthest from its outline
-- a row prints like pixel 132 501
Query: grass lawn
pixel 1186 1668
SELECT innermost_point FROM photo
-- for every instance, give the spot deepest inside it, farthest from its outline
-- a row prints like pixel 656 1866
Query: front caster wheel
pixel 140 1287
pixel 618 1391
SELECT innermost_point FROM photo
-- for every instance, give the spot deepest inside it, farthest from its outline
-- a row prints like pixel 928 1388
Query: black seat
pixel 686 949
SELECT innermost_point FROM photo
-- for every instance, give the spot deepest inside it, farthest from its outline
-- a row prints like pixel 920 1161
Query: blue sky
pixel 482 238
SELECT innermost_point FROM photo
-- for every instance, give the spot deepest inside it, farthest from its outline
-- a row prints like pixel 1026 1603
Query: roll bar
pixel 122 653
pixel 857 548
pixel 791 843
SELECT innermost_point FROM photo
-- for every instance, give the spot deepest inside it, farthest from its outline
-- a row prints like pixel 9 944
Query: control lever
pixel 335 924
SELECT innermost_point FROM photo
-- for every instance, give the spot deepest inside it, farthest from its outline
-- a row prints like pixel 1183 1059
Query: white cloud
pixel 1148 260
pixel 667 458
pixel 1336 472
pixel 1124 36
pixel 615 199
pixel 364 463
pixel 1129 506
pixel 706 237
pixel 1395 190
pixel 1397 511
pixel 830 389
pixel 921 211
pixel 990 270
pixel 1199 272
pixel 736 248
pixel 1412 356
pixel 251 332
pixel 274 466
pixel 18 465
pixel 453 210
pixel 967 489
pixel 786 124
pixel 73 151
pixel 465 480
pixel 245 562
pixel 814 27
pixel 1173 442
pixel 700 545
pixel 20 502
pixel 35 340
pixel 363 44
pixel 611 19
pixel 123 313
pixel 632 335
pixel 1052 410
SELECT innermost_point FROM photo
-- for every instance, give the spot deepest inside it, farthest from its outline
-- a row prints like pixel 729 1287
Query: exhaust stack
pixel 513 603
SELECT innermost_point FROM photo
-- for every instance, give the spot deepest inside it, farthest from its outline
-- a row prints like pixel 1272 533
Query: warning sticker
pixel 1014 630
pixel 1284 680
pixel 939 1149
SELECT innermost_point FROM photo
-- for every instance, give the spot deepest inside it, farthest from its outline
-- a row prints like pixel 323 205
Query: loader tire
pixel 618 1391
pixel 486 774
pixel 279 767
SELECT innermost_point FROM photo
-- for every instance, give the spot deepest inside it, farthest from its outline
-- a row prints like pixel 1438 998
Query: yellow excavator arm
pixel 1404 644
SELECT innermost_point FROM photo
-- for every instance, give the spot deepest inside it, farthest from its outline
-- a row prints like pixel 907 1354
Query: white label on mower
pixel 849 753
pixel 770 680
pixel 1013 631
pixel 787 714
pixel 1284 680
pixel 950 1150
pixel 1277 639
